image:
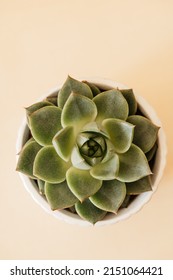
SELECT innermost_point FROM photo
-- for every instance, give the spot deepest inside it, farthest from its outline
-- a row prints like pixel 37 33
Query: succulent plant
pixel 90 150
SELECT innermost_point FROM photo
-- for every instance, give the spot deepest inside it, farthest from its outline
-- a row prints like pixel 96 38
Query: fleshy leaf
pixel 64 142
pixel 52 99
pixel 36 106
pixel 95 90
pixel 145 133
pixel 150 154
pixel 72 85
pixel 106 170
pixel 81 183
pixel 88 211
pixel 126 201
pixel 131 100
pixel 45 123
pixel 140 186
pixel 133 165
pixel 48 166
pixel 78 161
pixel 78 111
pixel 120 133
pixel 59 196
pixel 111 104
pixel 41 186
pixel 110 196
pixel 27 157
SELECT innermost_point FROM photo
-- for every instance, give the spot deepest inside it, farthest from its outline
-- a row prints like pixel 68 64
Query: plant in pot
pixel 90 152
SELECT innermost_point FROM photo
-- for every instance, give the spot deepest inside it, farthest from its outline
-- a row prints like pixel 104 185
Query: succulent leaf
pixel 77 160
pixel 111 104
pixel 45 123
pixel 95 90
pixel 41 186
pixel 120 133
pixel 133 165
pixel 52 100
pixel 140 186
pixel 150 154
pixel 72 85
pixel 27 157
pixel 131 100
pixel 145 133
pixel 110 196
pixel 64 142
pixel 49 167
pixel 126 201
pixel 106 170
pixel 78 111
pixel 36 106
pixel 59 195
pixel 81 183
pixel 89 212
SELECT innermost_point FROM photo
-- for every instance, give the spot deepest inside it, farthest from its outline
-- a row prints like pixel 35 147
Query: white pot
pixel 138 202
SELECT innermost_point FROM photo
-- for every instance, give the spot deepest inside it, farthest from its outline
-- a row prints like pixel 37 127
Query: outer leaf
pixel 110 196
pixel 27 157
pixel 150 154
pixel 41 186
pixel 48 166
pixel 133 165
pixel 95 90
pixel 72 85
pixel 52 99
pixel 59 196
pixel 87 211
pixel 131 100
pixel 44 124
pixel 36 106
pixel 145 133
pixel 107 170
pixel 120 133
pixel 111 104
pixel 81 183
pixel 64 141
pixel 140 186
pixel 78 111
pixel 126 201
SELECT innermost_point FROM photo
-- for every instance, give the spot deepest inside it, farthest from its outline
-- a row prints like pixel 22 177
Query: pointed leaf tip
pixel 78 111
pixel 81 183
pixel 64 142
pixel 88 211
pixel 111 104
pixel 110 196
pixel 74 85
pixel 120 133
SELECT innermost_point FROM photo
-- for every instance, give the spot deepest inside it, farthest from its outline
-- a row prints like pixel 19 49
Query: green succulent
pixel 90 149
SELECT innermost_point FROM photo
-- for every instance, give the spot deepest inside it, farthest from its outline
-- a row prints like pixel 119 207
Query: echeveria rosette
pixel 90 151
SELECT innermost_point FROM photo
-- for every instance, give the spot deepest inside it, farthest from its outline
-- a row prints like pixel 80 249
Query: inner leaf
pixel 120 133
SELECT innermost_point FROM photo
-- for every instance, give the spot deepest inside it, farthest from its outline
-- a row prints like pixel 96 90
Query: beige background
pixel 41 42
